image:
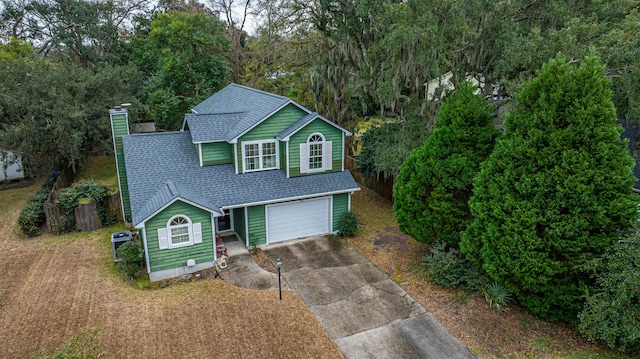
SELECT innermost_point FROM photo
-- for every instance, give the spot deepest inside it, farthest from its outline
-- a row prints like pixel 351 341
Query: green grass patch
pixel 593 354
pixel 101 170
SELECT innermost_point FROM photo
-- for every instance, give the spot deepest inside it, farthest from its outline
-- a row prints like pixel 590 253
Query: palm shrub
pixel 612 310
pixel 554 191
pixel 435 183
pixel 497 296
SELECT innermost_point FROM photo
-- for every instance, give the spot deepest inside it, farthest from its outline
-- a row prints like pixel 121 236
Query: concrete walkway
pixel 363 311
pixel 243 271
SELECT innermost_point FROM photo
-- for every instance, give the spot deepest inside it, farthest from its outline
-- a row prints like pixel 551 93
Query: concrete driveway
pixel 363 311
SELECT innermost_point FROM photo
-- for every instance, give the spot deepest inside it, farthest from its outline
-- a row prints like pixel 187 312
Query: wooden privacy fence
pixel 383 187
pixel 86 215
pixel 53 212
pixel 87 218
pixel 114 207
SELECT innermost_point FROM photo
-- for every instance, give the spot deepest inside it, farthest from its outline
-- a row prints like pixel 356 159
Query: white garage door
pixel 298 219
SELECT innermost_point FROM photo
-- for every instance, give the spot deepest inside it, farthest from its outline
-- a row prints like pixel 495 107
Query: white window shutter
pixel 328 157
pixel 304 158
pixel 162 238
pixel 197 233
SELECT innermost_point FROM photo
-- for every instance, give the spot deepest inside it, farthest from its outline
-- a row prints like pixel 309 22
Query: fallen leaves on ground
pixel 488 333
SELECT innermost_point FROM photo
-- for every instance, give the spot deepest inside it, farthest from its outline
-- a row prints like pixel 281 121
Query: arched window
pixel 315 150
pixel 315 154
pixel 179 231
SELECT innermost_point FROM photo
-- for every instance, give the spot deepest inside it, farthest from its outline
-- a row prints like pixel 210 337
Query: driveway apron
pixel 366 314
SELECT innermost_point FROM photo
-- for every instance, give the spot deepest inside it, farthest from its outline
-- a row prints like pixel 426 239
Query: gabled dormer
pixel 258 131
pixel 313 145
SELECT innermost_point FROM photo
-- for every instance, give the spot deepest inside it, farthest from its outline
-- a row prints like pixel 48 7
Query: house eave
pixel 287 199
pixel 344 130
pixel 215 213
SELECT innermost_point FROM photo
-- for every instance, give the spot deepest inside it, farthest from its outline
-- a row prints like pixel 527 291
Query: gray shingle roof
pixel 303 122
pixel 164 166
pixel 212 127
pixel 235 98
pixel 297 125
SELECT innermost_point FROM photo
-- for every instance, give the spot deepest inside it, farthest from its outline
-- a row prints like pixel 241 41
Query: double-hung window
pixel 260 155
pixel 179 231
pixel 316 144
pixel 315 154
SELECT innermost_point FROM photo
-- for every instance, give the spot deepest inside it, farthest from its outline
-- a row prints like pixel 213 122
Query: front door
pixel 224 223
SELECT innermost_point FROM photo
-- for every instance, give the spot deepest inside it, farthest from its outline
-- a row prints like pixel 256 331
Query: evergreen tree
pixel 612 311
pixel 554 192
pixel 435 183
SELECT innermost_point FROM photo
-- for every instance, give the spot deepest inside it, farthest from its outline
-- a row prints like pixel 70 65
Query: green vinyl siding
pixel 257 225
pixel 161 259
pixel 120 128
pixel 283 155
pixel 124 186
pixel 239 223
pixel 216 153
pixel 329 132
pixel 269 128
pixel 340 206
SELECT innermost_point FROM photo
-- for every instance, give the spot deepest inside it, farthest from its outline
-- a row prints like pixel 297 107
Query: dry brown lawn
pixel 52 287
pixel 489 334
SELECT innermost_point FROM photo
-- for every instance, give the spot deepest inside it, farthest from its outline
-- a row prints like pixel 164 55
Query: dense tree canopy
pixel 54 112
pixel 344 58
pixel 386 50
pixel 555 190
pixel 184 57
pixel 435 183
pixel 385 147
pixel 86 32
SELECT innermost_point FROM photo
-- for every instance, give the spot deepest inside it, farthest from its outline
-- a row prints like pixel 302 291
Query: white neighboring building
pixel 10 165
pixel 445 84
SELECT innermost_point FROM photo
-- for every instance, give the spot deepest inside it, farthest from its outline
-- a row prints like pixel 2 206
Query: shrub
pixel 347 224
pixel 32 216
pixel 432 190
pixel 129 255
pixel 448 268
pixel 612 311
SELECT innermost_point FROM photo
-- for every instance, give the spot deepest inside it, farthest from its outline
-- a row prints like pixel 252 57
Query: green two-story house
pixel 245 161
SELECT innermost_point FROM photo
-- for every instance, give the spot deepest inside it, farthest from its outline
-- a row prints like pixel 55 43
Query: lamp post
pixel 279 265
